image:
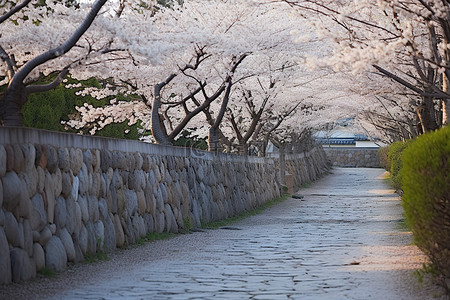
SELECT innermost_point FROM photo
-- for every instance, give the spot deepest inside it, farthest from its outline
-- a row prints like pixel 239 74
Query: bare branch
pixel 234 125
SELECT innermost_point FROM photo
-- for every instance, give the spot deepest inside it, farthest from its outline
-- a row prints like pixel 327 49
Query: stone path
pixel 344 240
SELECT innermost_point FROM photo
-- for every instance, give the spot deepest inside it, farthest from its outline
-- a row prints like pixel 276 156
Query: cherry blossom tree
pixel 405 41
pixel 227 70
pixel 18 69
pixel 222 35
pixel 106 48
pixel 261 97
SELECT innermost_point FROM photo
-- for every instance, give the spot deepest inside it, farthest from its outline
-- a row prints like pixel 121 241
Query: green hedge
pixel 425 179
pixel 394 161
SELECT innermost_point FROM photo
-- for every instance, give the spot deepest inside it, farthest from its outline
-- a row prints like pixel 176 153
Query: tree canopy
pixel 235 72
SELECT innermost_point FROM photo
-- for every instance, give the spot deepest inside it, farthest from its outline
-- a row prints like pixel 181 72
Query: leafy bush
pixel 426 199
pixel 394 161
pixel 46 110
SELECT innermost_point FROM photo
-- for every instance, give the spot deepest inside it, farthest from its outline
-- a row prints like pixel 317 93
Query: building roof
pixel 336 141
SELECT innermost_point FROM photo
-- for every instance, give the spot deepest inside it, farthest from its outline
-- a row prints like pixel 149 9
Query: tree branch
pixel 9 63
pixel 235 126
pixel 13 10
pixel 434 44
pixel 46 87
pixel 185 99
pixel 438 94
pixel 64 48
pixel 208 100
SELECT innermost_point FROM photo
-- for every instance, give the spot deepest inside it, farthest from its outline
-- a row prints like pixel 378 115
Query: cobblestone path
pixel 343 240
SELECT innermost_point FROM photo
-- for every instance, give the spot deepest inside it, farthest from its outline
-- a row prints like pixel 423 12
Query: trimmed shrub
pixel 394 161
pixel 426 200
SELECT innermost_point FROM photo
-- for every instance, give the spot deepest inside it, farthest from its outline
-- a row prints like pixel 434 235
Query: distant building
pixel 345 139
pixel 343 135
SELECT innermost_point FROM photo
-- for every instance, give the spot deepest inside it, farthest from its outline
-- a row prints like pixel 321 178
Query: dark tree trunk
pixel 214 144
pixel 213 138
pixel 11 112
pixel 157 125
pixel 426 115
pixel 17 95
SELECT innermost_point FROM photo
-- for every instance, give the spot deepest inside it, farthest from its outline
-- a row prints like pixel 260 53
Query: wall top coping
pixel 19 135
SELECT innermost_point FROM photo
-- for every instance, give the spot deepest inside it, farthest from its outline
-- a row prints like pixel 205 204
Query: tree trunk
pixel 427 122
pixel 213 140
pixel 158 133
pixel 426 111
pixel 214 131
pixel 265 143
pixel 15 97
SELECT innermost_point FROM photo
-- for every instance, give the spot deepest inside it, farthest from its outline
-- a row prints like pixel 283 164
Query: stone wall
pixel 64 196
pixel 353 157
pixel 306 167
